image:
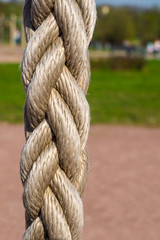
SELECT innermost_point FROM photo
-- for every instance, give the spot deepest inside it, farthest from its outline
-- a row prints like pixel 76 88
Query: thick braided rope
pixel 55 73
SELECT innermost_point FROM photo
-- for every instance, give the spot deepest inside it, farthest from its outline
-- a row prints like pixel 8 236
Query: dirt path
pixel 10 54
pixel 122 198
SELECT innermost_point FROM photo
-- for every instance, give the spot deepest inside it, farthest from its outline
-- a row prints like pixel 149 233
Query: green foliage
pixel 124 23
pixel 115 26
pixel 8 8
pixel 149 23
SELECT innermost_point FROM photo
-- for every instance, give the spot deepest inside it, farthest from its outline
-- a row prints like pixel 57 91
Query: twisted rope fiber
pixel 55 72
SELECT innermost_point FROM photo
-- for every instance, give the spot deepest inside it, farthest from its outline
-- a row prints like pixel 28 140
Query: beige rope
pixel 55 73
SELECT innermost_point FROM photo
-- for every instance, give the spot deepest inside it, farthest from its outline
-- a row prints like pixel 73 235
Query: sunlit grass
pixel 121 97
pixel 126 97
pixel 12 95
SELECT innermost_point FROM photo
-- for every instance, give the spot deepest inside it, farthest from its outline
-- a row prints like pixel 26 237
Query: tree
pixel 120 26
pixel 149 25
pixel 115 27
pixel 8 8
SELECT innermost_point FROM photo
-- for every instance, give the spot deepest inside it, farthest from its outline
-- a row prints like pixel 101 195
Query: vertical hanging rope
pixel 55 74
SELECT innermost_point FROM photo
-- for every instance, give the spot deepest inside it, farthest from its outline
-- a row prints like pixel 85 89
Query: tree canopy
pixel 125 23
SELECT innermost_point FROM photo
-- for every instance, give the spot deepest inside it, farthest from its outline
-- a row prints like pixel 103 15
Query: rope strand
pixel 55 73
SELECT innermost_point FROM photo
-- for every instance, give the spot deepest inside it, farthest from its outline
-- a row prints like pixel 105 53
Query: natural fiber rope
pixel 55 73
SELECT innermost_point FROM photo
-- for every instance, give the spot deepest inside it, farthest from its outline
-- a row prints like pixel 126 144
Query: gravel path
pixel 122 197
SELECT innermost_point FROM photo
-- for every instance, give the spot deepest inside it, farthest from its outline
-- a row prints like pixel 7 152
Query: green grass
pixel 122 97
pixel 126 97
pixel 12 95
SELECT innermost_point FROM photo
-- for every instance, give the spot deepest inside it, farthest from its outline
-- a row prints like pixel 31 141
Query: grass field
pixel 122 97
pixel 12 95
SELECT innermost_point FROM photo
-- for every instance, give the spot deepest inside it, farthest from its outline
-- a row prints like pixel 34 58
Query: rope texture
pixel 55 73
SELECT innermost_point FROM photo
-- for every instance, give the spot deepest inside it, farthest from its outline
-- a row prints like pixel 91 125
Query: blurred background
pixel 124 54
pixel 121 201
